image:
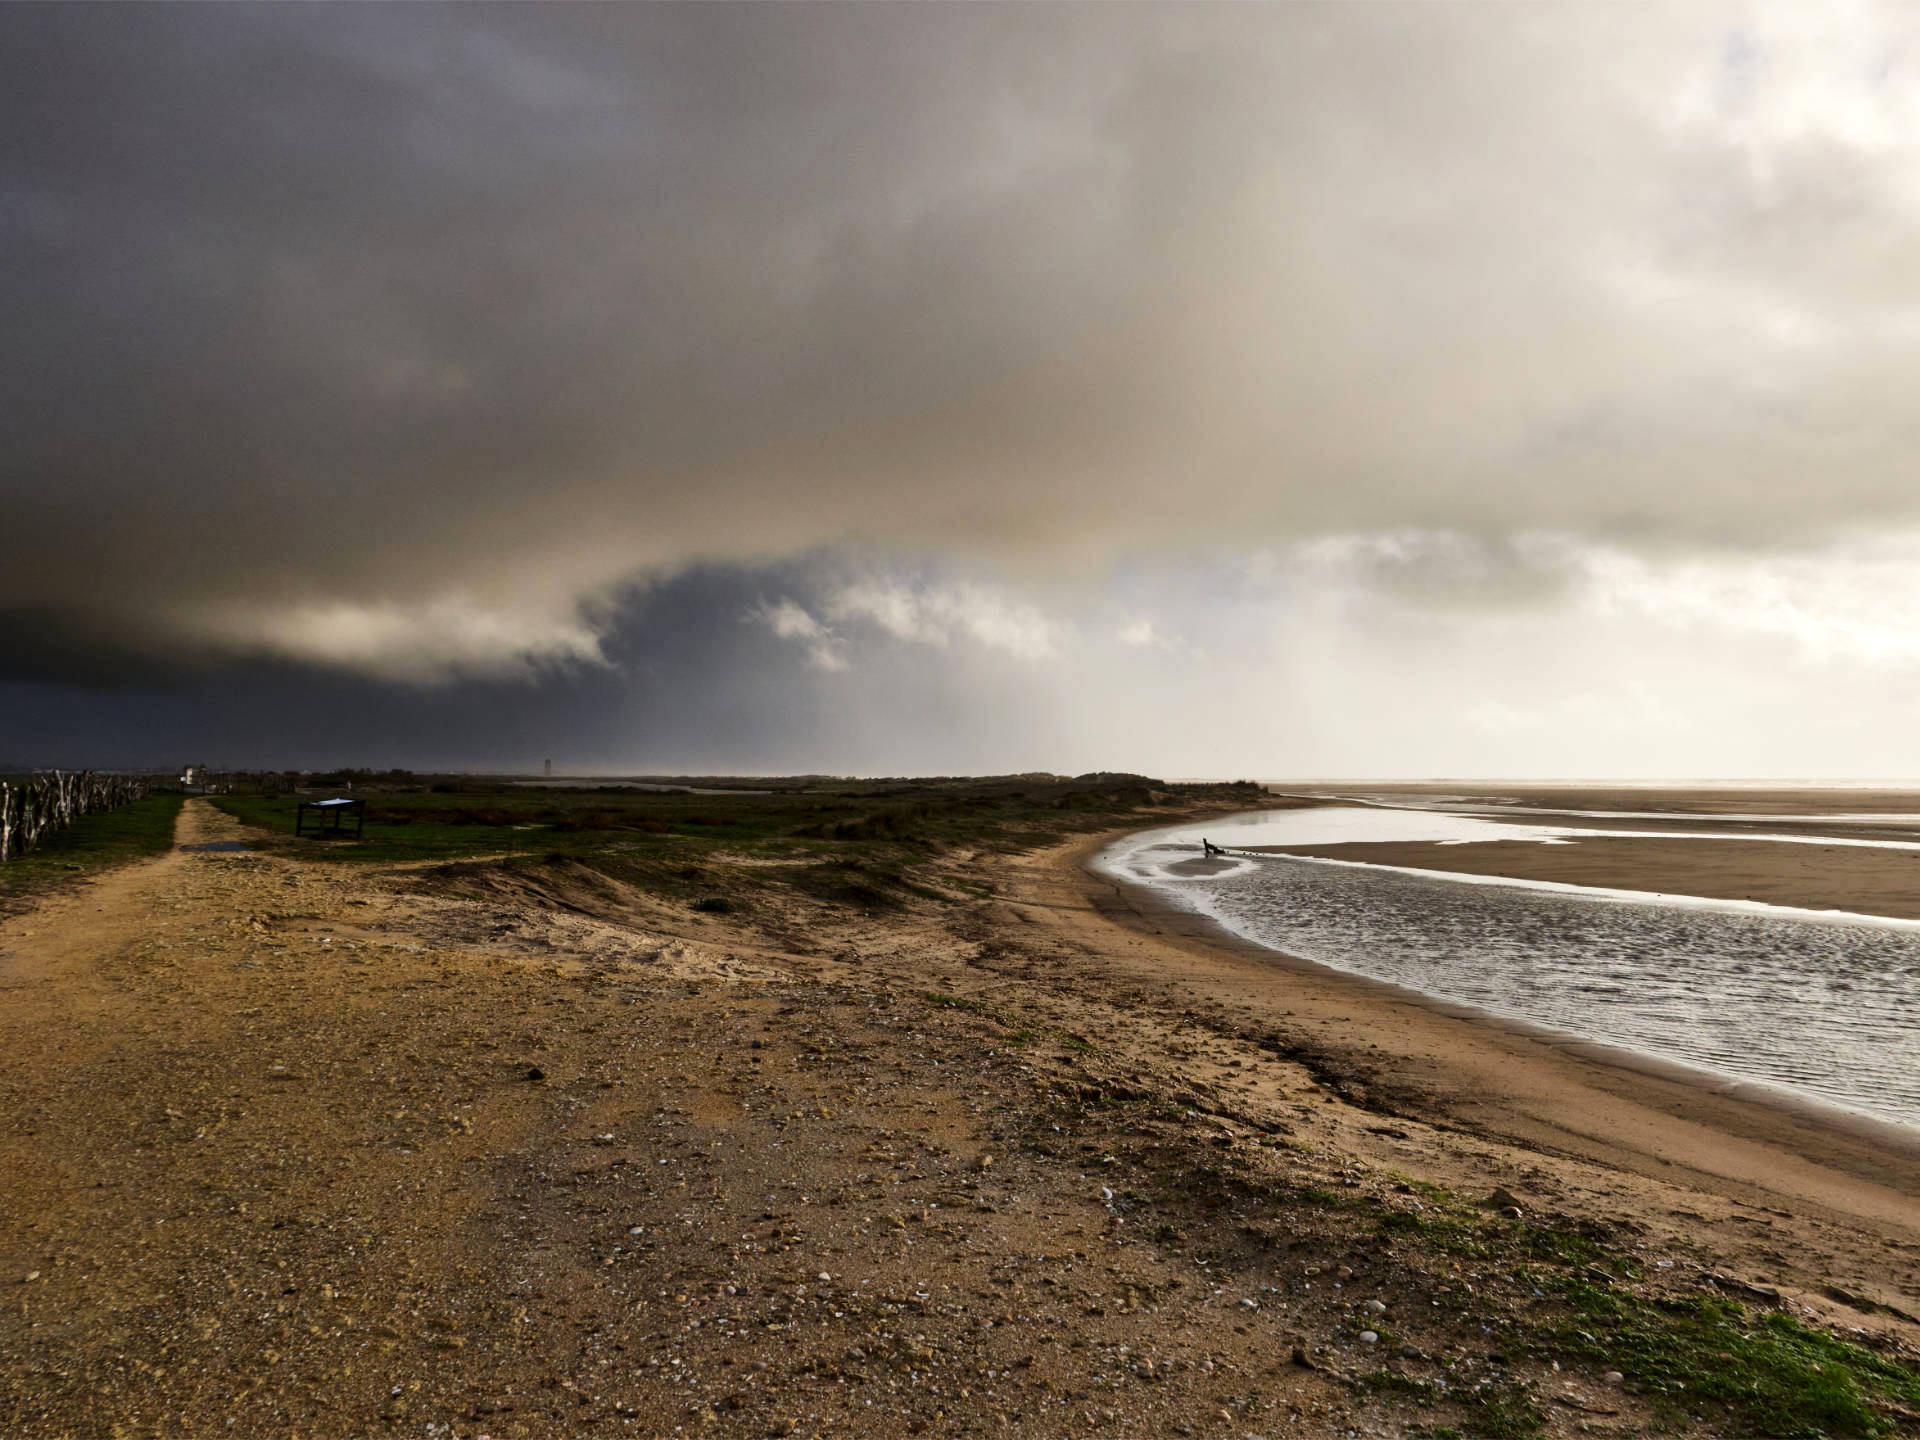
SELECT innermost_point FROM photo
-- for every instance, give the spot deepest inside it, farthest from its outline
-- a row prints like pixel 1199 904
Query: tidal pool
pixel 1821 1004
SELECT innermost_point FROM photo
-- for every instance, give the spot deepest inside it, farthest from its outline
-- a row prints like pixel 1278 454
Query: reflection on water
pixel 1826 1007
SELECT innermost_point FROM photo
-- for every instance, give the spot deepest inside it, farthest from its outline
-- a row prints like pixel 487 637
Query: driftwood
pixel 34 808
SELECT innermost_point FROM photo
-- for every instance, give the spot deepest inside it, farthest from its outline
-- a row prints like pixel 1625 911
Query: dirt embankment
pixel 301 1150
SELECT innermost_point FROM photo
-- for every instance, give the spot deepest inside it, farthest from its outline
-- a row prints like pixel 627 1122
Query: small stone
pixel 1369 1337
pixel 1375 1307
pixel 985 1162
pixel 1615 1378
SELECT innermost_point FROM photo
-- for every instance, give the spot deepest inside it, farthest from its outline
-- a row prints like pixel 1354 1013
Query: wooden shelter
pixel 327 817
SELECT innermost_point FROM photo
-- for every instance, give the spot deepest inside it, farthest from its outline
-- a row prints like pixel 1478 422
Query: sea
pixel 1819 1005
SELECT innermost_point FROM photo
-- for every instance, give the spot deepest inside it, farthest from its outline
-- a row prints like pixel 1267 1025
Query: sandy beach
pixel 299 1149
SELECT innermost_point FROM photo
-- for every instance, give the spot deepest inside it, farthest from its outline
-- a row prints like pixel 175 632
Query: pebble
pixel 1369 1337
pixel 1615 1378
pixel 1375 1307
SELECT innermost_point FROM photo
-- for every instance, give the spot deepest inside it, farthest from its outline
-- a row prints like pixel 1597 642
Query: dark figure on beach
pixel 1207 847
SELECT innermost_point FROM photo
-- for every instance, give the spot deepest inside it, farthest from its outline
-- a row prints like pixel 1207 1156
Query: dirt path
pixel 284 1160
pixel 296 1149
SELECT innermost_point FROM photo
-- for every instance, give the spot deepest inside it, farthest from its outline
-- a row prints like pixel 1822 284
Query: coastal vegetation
pixel 93 842
pixel 33 807
pixel 721 847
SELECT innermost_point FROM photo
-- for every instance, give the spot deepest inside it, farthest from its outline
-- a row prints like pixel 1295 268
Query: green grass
pixel 1747 1373
pixel 950 1002
pixel 1770 1373
pixel 91 844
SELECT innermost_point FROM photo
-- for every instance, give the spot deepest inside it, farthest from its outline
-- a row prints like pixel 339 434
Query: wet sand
pixel 1808 876
pixel 1515 1081
pixel 1683 800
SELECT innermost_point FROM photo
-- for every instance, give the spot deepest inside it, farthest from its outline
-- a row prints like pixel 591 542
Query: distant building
pixel 549 769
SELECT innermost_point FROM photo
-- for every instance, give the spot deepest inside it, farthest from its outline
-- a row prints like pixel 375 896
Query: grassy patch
pixel 1769 1374
pixel 91 844
pixel 872 847
pixel 950 1002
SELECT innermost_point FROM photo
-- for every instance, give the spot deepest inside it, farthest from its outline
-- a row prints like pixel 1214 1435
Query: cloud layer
pixel 425 343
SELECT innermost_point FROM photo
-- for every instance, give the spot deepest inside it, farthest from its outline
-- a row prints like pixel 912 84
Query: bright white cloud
pixel 791 621
pixel 941 612
pixel 432 642
pixel 1857 602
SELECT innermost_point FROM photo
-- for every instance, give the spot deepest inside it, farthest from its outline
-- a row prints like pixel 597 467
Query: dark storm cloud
pixel 695 683
pixel 401 339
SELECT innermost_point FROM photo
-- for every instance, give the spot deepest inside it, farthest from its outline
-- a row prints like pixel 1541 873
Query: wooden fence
pixel 34 808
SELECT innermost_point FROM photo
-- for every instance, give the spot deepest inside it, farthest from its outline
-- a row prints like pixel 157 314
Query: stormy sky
pixel 1205 390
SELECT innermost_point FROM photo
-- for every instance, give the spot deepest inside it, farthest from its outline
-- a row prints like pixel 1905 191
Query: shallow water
pixel 1376 824
pixel 1825 1006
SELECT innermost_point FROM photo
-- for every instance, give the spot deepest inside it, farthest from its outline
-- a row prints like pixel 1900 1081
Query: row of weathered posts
pixel 34 808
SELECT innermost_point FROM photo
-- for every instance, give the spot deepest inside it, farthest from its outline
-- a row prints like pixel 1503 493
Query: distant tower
pixel 549 769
